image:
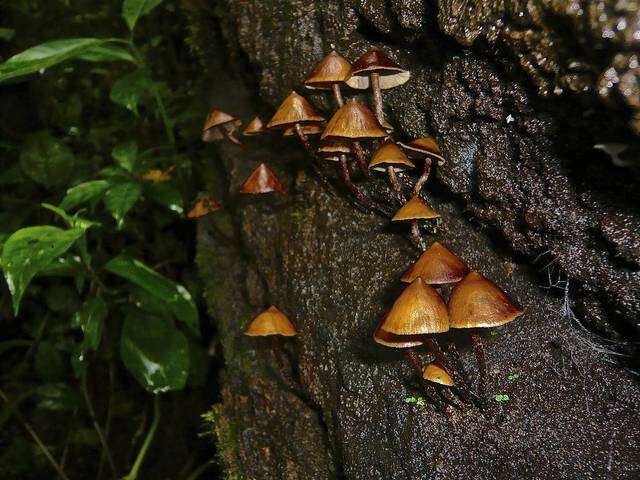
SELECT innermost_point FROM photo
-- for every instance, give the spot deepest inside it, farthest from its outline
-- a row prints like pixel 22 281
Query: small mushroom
pixel 337 151
pixel 306 129
pixel 428 149
pixel 295 111
pixel 374 69
pixel 477 302
pixel 255 127
pixel 436 373
pixel 204 206
pixel 219 125
pixel 354 122
pixel 436 266
pixel 329 74
pixel 414 210
pixel 262 180
pixel 273 323
pixel 389 158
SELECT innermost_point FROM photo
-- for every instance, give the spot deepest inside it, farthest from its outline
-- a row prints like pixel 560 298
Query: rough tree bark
pixel 517 97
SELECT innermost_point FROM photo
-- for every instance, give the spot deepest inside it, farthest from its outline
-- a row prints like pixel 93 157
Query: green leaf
pixel 83 193
pixel 120 198
pixel 177 299
pixel 125 153
pixel 45 55
pixel 90 318
pixel 73 221
pixel 30 250
pixel 132 10
pixel 129 89
pixel 46 160
pixel 167 196
pixel 154 352
pixel 107 52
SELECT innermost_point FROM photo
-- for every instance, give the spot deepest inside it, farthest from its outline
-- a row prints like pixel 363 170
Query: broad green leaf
pixel 82 193
pixel 178 300
pixel 46 160
pixel 30 250
pixel 129 89
pixel 120 198
pixel 166 195
pixel 45 55
pixel 90 318
pixel 67 266
pixel 107 52
pixel 125 153
pixel 132 10
pixel 155 352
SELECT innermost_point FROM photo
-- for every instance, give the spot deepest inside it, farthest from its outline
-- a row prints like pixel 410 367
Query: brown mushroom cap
pixel 396 341
pixel 334 146
pixel 389 154
pixel 218 118
pixel 375 61
pixel 255 127
pixel 436 374
pixel 294 109
pixel 333 68
pixel 203 206
pixel 437 265
pixel 418 310
pixel 353 121
pixel 478 302
pixel 424 146
pixel 415 209
pixel 262 180
pixel 271 322
pixel 306 129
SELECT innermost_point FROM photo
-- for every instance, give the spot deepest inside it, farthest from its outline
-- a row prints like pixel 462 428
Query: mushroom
pixel 306 129
pixel 374 69
pixel 436 373
pixel 295 111
pixel 337 151
pixel 414 210
pixel 273 323
pixel 255 127
pixel 204 206
pixel 219 125
pixel 328 74
pixel 428 148
pixel 353 122
pixel 436 266
pixel 262 180
pixel 477 302
pixel 391 159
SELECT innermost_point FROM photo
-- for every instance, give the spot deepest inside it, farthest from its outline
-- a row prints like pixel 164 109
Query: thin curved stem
pixel 415 234
pixel 337 94
pixel 478 349
pixel 133 474
pixel 430 392
pixel 344 168
pixel 360 156
pixel 374 80
pixel 424 177
pixel 304 139
pixel 228 135
pixel 395 184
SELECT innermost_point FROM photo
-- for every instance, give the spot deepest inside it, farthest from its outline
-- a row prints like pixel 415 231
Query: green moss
pixel 218 426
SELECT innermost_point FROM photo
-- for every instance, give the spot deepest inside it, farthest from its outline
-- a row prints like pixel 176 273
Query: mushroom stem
pixel 395 184
pixel 277 352
pixel 431 393
pixel 229 135
pixel 478 349
pixel 374 79
pixel 463 384
pixel 424 177
pixel 450 398
pixel 303 138
pixel 337 94
pixel 344 168
pixel 359 153
pixel 415 234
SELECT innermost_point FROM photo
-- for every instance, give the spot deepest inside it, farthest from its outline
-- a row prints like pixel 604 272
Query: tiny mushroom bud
pixel 203 206
pixel 426 148
pixel 436 374
pixel 389 158
pixel 374 69
pixel 414 210
pixel 436 266
pixel 295 111
pixel 219 125
pixel 255 127
pixel 262 180
pixel 329 74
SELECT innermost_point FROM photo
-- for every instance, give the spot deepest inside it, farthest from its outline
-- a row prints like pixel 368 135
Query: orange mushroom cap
pixel 294 109
pixel 353 121
pixel 262 180
pixel 415 209
pixel 334 146
pixel 255 127
pixel 424 146
pixel 271 322
pixel 375 61
pixel 218 118
pixel 203 206
pixel 306 129
pixel 333 68
pixel 418 310
pixel 396 341
pixel 478 302
pixel 436 374
pixel 389 154
pixel 437 265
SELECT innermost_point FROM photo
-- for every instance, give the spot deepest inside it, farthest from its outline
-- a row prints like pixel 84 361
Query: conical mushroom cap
pixel 415 209
pixel 220 119
pixel 389 154
pixel 334 146
pixel 437 265
pixel 333 68
pixel 478 302
pixel 353 120
pixel 255 127
pixel 395 341
pixel 271 322
pixel 262 180
pixel 418 310
pixel 306 129
pixel 424 146
pixel 436 374
pixel 294 109
pixel 375 61
pixel 203 206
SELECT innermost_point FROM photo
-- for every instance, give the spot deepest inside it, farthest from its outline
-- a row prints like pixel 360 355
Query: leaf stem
pixel 133 474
